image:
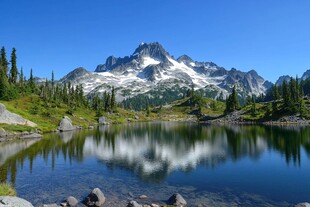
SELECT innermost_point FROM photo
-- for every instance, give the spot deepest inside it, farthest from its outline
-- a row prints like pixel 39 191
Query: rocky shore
pixel 95 198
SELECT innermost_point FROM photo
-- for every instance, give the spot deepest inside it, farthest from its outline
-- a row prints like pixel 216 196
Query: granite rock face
pixel 7 117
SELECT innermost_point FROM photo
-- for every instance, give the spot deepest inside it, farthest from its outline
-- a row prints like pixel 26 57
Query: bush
pixel 7 190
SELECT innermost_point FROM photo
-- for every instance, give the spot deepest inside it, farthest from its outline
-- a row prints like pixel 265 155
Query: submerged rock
pixel 95 199
pixel 11 201
pixel 49 205
pixel 303 205
pixel 177 200
pixel 31 136
pixel 66 124
pixel 133 204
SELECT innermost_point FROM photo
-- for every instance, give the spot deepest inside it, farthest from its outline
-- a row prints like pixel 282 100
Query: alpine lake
pixel 210 165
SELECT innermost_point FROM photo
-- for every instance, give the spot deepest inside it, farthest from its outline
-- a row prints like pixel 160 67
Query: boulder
pixel 136 117
pixel 302 205
pixel 72 201
pixel 66 124
pixel 95 198
pixel 102 120
pixel 7 117
pixel 177 200
pixel 11 201
pixel 133 204
pixel 49 205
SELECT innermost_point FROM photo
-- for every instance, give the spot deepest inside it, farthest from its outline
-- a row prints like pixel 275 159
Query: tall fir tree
pixel 14 70
pixel 4 62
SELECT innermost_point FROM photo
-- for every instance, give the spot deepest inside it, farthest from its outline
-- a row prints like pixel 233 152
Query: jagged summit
pixel 150 70
pixel 153 50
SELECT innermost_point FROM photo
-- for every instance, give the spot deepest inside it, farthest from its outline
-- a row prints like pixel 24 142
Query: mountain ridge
pixel 150 65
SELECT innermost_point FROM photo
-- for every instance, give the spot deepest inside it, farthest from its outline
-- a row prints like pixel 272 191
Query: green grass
pixel 48 117
pixel 7 190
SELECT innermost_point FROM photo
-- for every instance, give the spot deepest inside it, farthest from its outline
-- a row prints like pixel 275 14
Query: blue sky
pixel 272 37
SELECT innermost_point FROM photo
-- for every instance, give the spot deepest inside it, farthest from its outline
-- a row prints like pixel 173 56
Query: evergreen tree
pixel 4 85
pixel 232 102
pixel 286 95
pixel 107 104
pixel 4 62
pixel 13 71
pixel 113 100
pixel 32 85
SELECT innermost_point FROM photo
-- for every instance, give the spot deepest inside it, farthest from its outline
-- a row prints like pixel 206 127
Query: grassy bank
pixel 48 117
pixel 7 190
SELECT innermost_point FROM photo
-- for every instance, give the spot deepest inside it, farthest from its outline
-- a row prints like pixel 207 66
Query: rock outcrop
pixel 66 124
pixel 7 117
pixel 11 201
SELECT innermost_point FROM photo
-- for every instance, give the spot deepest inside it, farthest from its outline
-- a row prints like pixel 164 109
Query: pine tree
pixel 286 94
pixel 32 85
pixel 4 85
pixel 232 102
pixel 4 62
pixel 13 71
pixel 107 104
pixel 113 100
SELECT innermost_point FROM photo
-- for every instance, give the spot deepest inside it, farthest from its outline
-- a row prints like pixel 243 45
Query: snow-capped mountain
pixel 152 71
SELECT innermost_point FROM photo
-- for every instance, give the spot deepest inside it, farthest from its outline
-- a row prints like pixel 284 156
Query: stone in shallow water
pixel 95 198
pixel 177 200
pixel 71 201
pixel 303 205
pixel 133 204
pixel 11 201
pixel 143 197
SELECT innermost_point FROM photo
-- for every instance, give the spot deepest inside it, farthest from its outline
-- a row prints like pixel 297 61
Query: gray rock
pixel 66 124
pixel 7 117
pixel 303 204
pixel 32 136
pixel 2 132
pixel 143 197
pixel 102 120
pixel 71 201
pixel 177 200
pixel 2 139
pixel 11 201
pixel 49 205
pixel 133 204
pixel 90 127
pixel 95 199
pixel 136 117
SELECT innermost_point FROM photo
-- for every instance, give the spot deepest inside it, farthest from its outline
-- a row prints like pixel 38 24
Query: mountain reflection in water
pixel 155 151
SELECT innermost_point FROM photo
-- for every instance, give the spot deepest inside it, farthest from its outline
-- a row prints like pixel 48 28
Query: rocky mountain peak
pixel 153 50
pixel 185 59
